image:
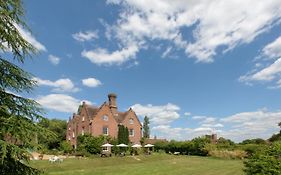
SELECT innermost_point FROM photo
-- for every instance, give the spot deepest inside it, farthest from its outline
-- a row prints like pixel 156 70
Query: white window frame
pixel 83 118
pixel 107 130
pixel 133 133
pixel 73 134
pixel 131 121
pixel 105 118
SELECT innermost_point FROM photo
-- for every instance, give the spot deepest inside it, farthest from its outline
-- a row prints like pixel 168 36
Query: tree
pixel 56 126
pixel 123 134
pixel 90 143
pixel 146 130
pixel 276 137
pixel 18 115
pixel 266 161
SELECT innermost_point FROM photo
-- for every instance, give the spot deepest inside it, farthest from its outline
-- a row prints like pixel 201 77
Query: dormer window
pixel 131 121
pixel 105 118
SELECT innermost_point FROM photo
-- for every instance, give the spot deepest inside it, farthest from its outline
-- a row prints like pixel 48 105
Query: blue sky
pixel 193 67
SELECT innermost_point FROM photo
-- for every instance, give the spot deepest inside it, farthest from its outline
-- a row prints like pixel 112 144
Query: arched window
pixel 131 121
pixel 105 118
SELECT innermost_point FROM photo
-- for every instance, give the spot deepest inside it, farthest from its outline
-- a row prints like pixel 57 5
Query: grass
pixel 157 164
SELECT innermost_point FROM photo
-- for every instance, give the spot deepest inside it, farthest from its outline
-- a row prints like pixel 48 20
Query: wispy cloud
pixel 268 66
pixel 54 59
pixel 158 114
pixel 103 57
pixel 60 85
pixel 85 36
pixel 214 23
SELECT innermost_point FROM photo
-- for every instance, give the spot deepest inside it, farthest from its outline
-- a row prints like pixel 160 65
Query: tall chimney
pixel 112 103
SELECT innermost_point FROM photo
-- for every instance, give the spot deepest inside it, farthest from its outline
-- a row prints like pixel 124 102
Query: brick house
pixel 103 120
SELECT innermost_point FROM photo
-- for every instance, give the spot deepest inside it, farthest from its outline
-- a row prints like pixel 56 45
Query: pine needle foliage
pixel 18 115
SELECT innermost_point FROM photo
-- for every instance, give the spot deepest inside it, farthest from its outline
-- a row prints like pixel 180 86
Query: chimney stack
pixel 112 102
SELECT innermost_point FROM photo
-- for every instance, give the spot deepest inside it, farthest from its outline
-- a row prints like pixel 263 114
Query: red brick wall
pixel 96 128
pixel 98 122
pixel 136 126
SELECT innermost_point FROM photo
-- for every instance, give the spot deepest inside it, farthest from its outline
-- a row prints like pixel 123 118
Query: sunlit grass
pixel 144 165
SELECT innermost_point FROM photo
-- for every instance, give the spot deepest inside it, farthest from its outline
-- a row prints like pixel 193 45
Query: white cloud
pixel 272 50
pixel 60 85
pixel 254 124
pixel 215 24
pixel 268 67
pixel 266 74
pixel 31 39
pixel 187 114
pixel 166 52
pixel 103 57
pixel 214 125
pixel 237 127
pixel 85 36
pixel 91 82
pixel 54 59
pixel 158 115
pixel 181 133
pixel 59 102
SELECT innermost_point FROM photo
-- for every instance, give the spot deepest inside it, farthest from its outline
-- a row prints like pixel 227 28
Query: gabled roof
pixel 120 116
pixel 91 110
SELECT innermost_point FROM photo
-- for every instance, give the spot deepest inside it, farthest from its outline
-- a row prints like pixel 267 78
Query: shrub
pixel 266 162
pixel 235 154
pixel 252 148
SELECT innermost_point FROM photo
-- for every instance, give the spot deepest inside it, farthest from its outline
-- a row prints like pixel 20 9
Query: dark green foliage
pixel 90 143
pixel 58 127
pixel 225 144
pixel 66 147
pixel 275 137
pixel 17 114
pixel 123 134
pixel 193 147
pixel 146 130
pixel 265 162
pixel 252 148
pixel 253 141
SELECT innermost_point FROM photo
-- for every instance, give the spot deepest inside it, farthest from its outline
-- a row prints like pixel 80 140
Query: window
pixel 68 137
pixel 69 129
pixel 105 148
pixel 83 119
pixel 131 132
pixel 105 130
pixel 131 121
pixel 73 134
pixel 82 131
pixel 105 118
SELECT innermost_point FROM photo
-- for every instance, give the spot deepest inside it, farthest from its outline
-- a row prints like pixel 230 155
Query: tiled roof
pixel 92 110
pixel 120 116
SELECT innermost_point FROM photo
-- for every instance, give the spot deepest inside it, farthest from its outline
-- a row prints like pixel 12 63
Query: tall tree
pixel 58 127
pixel 146 130
pixel 18 115
pixel 123 134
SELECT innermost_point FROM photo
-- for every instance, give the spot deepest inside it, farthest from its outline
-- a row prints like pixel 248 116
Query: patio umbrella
pixel 148 145
pixel 122 145
pixel 136 146
pixel 106 145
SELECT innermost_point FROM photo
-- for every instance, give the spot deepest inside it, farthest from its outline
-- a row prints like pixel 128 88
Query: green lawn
pixel 144 165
